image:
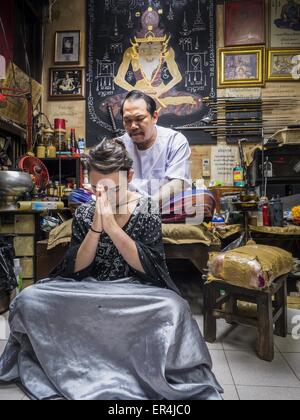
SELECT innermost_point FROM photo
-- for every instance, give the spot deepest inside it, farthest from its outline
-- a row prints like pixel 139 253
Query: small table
pixel 245 208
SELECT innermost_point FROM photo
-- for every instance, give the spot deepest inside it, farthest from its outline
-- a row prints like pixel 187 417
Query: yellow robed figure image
pixel 148 59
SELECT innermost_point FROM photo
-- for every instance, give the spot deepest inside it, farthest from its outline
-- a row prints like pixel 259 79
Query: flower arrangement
pixel 296 215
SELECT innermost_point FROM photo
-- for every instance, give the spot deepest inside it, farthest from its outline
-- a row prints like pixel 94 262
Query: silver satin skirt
pixel 106 341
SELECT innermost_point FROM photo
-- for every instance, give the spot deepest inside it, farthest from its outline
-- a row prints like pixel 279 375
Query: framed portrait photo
pixel 67 47
pixel 284 23
pixel 244 22
pixel 66 83
pixel 283 65
pixel 241 67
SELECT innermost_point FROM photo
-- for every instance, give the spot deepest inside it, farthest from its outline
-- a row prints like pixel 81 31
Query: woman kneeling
pixel 110 323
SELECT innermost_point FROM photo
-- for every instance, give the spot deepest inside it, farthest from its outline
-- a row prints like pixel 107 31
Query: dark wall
pixel 23 21
pixel 7 29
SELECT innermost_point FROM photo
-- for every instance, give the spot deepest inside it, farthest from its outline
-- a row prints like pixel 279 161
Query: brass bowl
pixel 13 184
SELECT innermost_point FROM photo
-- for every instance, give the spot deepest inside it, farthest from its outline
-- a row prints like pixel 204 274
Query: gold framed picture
pixel 284 65
pixel 241 67
pixel 67 47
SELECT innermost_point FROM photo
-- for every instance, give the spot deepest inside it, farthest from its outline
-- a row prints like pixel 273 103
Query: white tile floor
pixel 236 366
pixel 244 376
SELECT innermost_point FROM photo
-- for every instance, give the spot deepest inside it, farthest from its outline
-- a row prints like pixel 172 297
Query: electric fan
pixel 36 169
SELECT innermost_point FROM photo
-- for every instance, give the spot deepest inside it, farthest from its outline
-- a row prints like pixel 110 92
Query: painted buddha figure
pixel 147 60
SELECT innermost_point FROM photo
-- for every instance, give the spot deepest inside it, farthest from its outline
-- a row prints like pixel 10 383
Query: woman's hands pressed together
pixel 104 211
pixel 97 221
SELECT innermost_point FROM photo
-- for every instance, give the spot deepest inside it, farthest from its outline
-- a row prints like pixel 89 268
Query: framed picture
pixel 66 83
pixel 284 65
pixel 244 22
pixel 241 67
pixel 67 47
pixel 284 24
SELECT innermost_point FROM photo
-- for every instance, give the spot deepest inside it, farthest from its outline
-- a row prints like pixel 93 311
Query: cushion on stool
pixel 181 234
pixel 251 266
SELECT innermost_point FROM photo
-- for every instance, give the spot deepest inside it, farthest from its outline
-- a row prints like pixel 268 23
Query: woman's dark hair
pixel 109 156
pixel 135 95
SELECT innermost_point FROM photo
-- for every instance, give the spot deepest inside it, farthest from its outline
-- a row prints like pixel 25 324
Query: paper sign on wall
pixel 224 160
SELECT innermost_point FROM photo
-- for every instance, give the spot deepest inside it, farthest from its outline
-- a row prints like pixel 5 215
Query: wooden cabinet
pixel 71 168
pixel 22 230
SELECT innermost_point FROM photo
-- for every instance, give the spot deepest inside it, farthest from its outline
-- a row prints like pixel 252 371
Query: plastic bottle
pixel 60 141
pixel 51 189
pixel 41 151
pixel 239 176
pixel 266 217
pixel 51 151
pixel 18 274
pixel 73 141
pixel 69 144
pixel 260 218
pixel 81 146
pixel 56 189
pixel 86 179
pixel 276 212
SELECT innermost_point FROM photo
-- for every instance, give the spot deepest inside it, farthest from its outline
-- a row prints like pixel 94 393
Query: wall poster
pixel 285 23
pixel 165 48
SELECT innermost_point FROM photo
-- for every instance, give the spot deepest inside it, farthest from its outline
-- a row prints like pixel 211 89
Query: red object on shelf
pixel 266 217
pixel 59 124
pixel 36 168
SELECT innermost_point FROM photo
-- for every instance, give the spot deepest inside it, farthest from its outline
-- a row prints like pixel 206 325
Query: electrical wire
pixel 52 3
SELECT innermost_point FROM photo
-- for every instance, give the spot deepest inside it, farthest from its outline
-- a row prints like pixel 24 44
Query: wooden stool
pixel 220 301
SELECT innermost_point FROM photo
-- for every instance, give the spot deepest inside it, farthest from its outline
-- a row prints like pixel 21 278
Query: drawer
pixel 7 224
pixel 24 224
pixel 7 229
pixel 27 268
pixel 24 246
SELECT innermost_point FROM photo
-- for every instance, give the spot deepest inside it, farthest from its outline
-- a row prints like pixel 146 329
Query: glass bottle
pixel 73 141
pixel 60 140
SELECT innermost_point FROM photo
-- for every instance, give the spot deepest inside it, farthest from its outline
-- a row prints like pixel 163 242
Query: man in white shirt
pixel 160 155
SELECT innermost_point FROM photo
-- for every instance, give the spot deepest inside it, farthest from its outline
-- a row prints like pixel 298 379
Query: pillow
pixel 181 234
pixel 251 266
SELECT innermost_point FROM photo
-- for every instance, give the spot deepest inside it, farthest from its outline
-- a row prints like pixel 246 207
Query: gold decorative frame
pixel 280 75
pixel 257 80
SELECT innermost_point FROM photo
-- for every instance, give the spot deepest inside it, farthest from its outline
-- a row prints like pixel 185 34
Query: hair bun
pixel 109 156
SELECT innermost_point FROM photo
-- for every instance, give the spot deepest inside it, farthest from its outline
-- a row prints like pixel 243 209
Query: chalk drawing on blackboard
pixel 185 31
pixel 199 24
pixel 105 76
pixel 186 44
pixel 195 80
pixel 158 65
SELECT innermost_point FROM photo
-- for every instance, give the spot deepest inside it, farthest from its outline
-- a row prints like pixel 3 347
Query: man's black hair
pixel 136 95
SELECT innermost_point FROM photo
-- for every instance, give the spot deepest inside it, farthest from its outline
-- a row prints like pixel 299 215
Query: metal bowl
pixel 14 184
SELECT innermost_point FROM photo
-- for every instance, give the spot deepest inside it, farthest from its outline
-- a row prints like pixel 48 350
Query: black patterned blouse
pixel 144 227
